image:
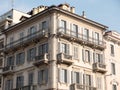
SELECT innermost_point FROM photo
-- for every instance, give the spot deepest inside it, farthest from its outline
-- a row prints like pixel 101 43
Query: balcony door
pixel 86 34
pixel 63 26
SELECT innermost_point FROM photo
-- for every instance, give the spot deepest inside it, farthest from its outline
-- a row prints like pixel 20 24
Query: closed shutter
pixel 17 59
pixel 22 81
pixel 34 54
pixel 94 59
pixel 84 79
pixel 83 55
pixel 60 74
pixel 40 50
pixel 92 84
pixel 46 73
pixel 91 57
pixel 93 36
pixel 39 77
pixel 72 77
pixel 23 57
pixel 68 76
pixel 68 46
pixel 101 58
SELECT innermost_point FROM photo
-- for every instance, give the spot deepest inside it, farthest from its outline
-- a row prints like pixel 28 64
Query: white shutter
pixel 60 74
pixel 91 57
pixel 93 36
pixel 92 84
pixel 72 77
pixel 68 76
pixel 83 55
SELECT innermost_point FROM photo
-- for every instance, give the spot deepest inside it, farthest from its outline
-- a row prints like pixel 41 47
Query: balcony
pixel 64 58
pixel 27 40
pixel 41 59
pixel 81 87
pixel 98 67
pixel 8 70
pixel 28 87
pixel 82 39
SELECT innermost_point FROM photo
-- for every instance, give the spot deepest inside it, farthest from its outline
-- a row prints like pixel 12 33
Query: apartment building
pixel 7 20
pixel 112 56
pixel 56 49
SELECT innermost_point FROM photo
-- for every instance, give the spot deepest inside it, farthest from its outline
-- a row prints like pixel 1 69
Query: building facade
pixel 55 49
pixel 112 60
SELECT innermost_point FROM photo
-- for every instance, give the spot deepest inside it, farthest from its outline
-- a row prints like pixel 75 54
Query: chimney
pixel 83 14
pixel 73 9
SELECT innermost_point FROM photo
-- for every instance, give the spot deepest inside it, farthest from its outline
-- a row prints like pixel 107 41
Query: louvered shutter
pixel 28 55
pixel 68 76
pixel 46 75
pixel 92 84
pixel 68 47
pixel 83 55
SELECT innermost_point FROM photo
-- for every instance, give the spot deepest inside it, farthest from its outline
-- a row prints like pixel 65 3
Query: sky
pixel 106 12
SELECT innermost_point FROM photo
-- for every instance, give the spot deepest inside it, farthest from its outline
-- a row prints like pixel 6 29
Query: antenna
pixel 12 4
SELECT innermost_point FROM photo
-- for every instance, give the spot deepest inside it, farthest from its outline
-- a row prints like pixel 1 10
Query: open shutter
pixel 101 58
pixel 83 55
pixel 81 78
pixel 13 59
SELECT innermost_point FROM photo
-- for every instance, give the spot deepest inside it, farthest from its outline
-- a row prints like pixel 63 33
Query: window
pixel 63 75
pixel 20 81
pixel 75 52
pixel 31 53
pixel 31 31
pixel 76 77
pixel 64 48
pixel 44 25
pixel 10 61
pixel 11 41
pixel 74 31
pixel 98 57
pixel 96 38
pixel 86 34
pixel 9 84
pixel 20 58
pixel 43 49
pixel 43 76
pixel 114 87
pixel 87 56
pixel 63 26
pixel 113 68
pixel 112 49
pixel 21 35
pixel 30 78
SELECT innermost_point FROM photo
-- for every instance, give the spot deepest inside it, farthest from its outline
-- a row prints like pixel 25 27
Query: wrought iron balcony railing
pixel 28 87
pixel 81 87
pixel 8 69
pixel 34 37
pixel 81 38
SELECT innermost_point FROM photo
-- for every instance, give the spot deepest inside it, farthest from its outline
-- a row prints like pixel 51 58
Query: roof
pixel 56 8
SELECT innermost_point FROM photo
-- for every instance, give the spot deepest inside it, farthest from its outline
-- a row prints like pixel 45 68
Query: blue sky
pixel 106 12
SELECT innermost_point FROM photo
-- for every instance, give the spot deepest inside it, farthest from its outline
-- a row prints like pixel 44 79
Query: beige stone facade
pixel 56 49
